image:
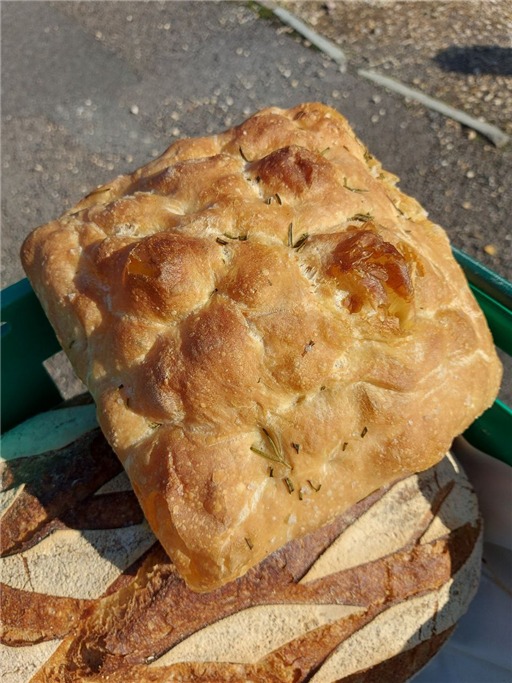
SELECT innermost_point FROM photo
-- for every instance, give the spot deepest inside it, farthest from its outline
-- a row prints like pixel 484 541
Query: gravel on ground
pixel 459 52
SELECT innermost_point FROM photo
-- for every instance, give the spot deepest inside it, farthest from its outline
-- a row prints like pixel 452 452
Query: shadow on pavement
pixel 478 59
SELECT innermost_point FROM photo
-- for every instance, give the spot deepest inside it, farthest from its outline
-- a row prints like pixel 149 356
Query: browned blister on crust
pixel 263 302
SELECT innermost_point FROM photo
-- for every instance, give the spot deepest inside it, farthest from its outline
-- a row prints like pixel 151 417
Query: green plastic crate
pixel 28 339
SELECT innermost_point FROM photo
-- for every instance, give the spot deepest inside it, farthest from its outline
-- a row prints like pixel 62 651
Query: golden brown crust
pixel 197 317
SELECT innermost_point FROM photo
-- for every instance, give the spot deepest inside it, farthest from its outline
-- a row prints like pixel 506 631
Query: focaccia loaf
pixel 270 330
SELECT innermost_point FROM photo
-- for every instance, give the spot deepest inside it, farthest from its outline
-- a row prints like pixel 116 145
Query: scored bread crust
pixel 205 324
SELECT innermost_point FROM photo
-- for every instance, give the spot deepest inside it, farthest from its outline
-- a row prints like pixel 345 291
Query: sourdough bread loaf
pixel 88 593
pixel 270 329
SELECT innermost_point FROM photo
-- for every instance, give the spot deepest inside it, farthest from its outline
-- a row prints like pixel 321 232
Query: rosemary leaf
pixel 154 425
pixel 296 446
pixel 289 484
pixel 344 446
pixel 290 235
pixel 268 456
pixel 364 432
pixel 352 189
pixel 272 443
pixel 361 217
pixel 299 243
pixel 271 472
pixel 299 115
pixel 220 241
pixel 241 238
pixel 71 343
pixel 242 154
pixel 249 543
pixel 300 494
pixel 268 201
pixel 279 200
pixel 315 488
pixel 324 151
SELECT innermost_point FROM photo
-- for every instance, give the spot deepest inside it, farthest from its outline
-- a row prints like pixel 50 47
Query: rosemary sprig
pixel 290 235
pixel 364 432
pixel 276 455
pixel 364 217
pixel 249 543
pixel 271 442
pixel 270 456
pixel 315 488
pixel 352 189
pixel 264 454
pixel 301 241
pixel 289 484
pixel 243 155
pixel 220 241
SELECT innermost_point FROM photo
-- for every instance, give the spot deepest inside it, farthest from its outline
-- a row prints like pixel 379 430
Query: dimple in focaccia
pixel 271 330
